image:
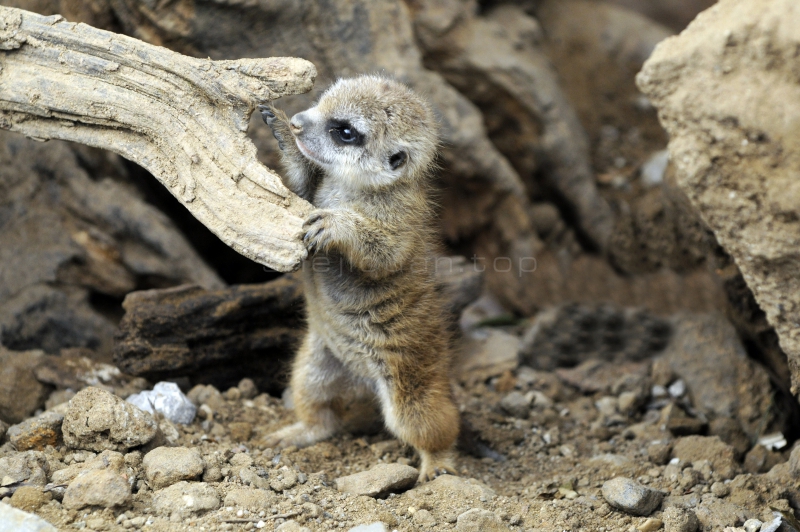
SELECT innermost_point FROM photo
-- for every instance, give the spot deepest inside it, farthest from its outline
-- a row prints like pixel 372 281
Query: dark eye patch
pixel 397 160
pixel 344 134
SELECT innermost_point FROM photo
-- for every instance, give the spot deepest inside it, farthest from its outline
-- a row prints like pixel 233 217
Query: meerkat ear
pixel 397 160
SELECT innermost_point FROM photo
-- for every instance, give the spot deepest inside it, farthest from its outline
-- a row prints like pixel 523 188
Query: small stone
pixel 630 496
pixel 424 518
pixel 165 466
pixel 232 394
pixel 760 459
pixel 30 467
pixel 285 479
pixel 372 527
pixel 720 489
pixel 30 498
pixel 628 402
pixel 185 499
pixel 478 520
pixel 100 487
pixel 659 452
pixel 167 399
pixel 37 432
pixel 752 525
pixel 98 420
pixel 250 499
pixel 516 404
pixel 379 481
pixel 677 389
pixel 680 520
pixel 240 431
pixel 650 525
pixel 14 520
pixel 106 460
pixel 247 388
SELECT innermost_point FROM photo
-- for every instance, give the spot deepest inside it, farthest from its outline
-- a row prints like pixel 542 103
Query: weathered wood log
pixel 183 119
pixel 221 336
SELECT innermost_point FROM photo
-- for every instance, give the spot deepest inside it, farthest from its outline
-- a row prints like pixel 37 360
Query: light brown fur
pixel 375 322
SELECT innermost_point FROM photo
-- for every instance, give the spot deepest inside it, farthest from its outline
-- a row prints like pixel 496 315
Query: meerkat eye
pixel 345 135
pixel 397 160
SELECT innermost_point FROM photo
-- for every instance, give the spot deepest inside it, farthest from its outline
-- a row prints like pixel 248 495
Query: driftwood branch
pixel 183 119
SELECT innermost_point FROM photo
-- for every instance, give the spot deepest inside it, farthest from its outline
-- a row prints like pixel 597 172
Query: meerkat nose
pixel 297 122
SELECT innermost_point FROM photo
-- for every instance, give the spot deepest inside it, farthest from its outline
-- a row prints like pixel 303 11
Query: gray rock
pixel 184 499
pixel 477 520
pixel 13 520
pixel 36 433
pixel 630 496
pixel 379 481
pixel 30 467
pixel 679 520
pixel 488 353
pixel 516 404
pixel 97 420
pixel 165 466
pixel 372 527
pixel 168 400
pixel 99 487
pixel 20 393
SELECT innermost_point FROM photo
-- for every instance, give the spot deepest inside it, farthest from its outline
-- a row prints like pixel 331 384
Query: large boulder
pixel 727 92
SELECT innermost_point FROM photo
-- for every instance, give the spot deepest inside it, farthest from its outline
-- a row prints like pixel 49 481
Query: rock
pixel 110 460
pixel 97 420
pixel 730 431
pixel 716 514
pixel 30 467
pixel 424 518
pixel 75 368
pixel 247 388
pixel 451 487
pixel 165 466
pixel 20 393
pixel 240 430
pixel 185 499
pixel 14 520
pixel 250 499
pixel 706 353
pixel 372 527
pixel 650 525
pixel 761 460
pixel 570 334
pixel 594 375
pixel 30 498
pixel 488 353
pixel 516 404
pixel 675 420
pixel 99 487
pixel 723 143
pixel 752 525
pixel 695 448
pixel 168 400
pixel 477 520
pixel 631 497
pixel 68 234
pixel 37 433
pixel 286 478
pixel 379 481
pixel 679 520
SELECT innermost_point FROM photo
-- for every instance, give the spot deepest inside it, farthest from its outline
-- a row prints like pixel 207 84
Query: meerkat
pixel 363 156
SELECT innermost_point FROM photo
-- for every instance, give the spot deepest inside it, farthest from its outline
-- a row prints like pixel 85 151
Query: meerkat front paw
pixel 271 117
pixel 318 230
pixel 434 465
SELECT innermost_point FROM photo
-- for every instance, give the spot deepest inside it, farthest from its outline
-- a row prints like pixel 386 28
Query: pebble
pixel 37 432
pixel 99 487
pixel 29 467
pixel 695 448
pixel 478 520
pixel 379 481
pixel 515 404
pixel 97 420
pixel 14 520
pixel 650 525
pixel 285 479
pixel 30 498
pixel 164 466
pixel 167 399
pixel 247 388
pixel 184 499
pixel 630 496
pixel 424 517
pixel 752 525
pixel 720 489
pixel 372 527
pixel 680 520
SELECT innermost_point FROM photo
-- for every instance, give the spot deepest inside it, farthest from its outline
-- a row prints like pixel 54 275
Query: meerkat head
pixel 368 131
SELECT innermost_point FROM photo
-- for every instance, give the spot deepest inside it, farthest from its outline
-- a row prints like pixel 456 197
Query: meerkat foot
pixel 317 229
pixel 298 434
pixel 435 464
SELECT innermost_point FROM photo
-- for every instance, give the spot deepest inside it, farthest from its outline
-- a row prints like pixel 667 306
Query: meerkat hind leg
pixel 318 379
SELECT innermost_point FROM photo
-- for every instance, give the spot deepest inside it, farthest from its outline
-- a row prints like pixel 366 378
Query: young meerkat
pixel 363 157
